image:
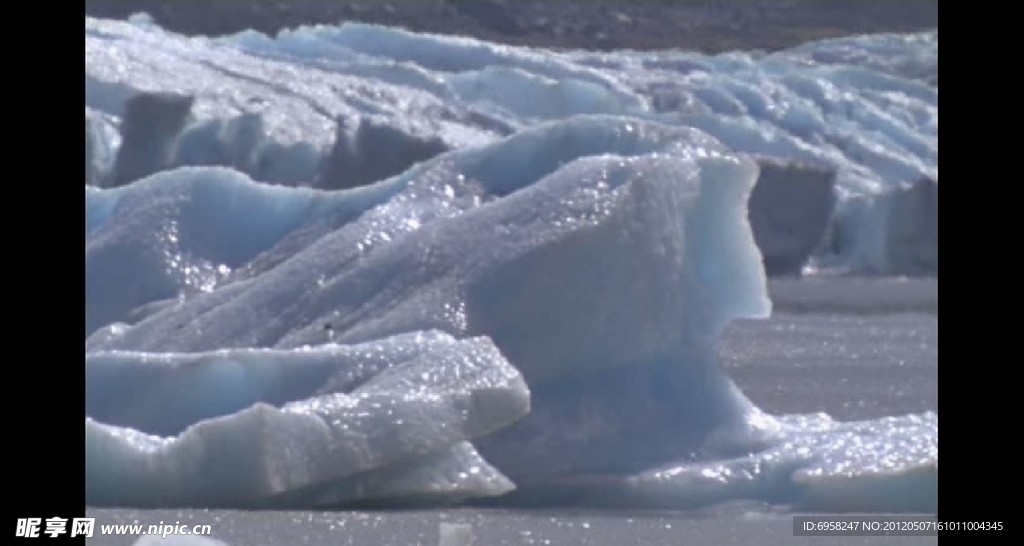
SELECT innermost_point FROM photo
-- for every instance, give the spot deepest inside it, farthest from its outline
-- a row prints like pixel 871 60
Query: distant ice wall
pixel 274 119
pixel 275 108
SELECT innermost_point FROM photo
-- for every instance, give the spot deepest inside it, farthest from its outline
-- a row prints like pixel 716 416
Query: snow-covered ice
pixel 529 294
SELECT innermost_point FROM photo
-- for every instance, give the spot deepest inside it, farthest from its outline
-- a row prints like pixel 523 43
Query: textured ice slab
pixel 596 259
pixel 181 232
pixel 274 108
pixel 314 426
pixel 467 245
pixel 473 246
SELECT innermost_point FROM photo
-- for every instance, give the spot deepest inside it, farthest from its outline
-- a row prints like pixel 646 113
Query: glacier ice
pixel 275 107
pixel 297 105
pixel 185 231
pixel 902 225
pixel 531 303
pixel 417 243
pixel 304 427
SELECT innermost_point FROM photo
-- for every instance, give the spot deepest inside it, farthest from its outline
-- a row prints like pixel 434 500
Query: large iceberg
pixel 535 309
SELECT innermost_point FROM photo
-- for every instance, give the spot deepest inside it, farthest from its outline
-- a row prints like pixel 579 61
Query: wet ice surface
pixel 854 295
pixel 849 366
pixel 727 526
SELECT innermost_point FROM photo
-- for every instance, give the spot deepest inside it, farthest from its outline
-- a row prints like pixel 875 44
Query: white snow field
pixel 524 297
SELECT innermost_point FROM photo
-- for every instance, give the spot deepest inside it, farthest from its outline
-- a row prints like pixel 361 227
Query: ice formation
pixel 280 108
pixel 303 427
pixel 532 302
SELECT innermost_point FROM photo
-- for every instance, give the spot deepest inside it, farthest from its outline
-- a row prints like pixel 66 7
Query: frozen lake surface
pixel 730 526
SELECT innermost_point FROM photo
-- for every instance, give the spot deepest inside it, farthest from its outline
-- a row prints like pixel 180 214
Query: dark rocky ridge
pixel 704 25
